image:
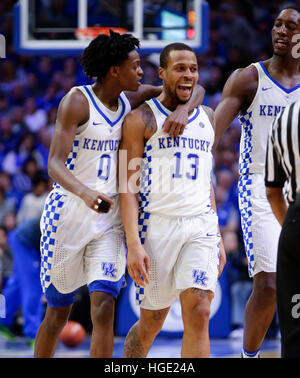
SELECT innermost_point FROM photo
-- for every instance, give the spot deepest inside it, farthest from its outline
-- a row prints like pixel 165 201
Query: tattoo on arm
pixel 148 118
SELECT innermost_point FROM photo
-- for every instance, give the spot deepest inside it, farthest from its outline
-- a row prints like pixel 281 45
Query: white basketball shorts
pixel 260 227
pixel 184 253
pixel 78 245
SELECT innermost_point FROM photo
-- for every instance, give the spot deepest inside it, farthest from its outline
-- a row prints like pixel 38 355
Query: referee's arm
pixel 275 179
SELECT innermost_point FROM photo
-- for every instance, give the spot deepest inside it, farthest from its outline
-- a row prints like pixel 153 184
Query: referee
pixel 283 169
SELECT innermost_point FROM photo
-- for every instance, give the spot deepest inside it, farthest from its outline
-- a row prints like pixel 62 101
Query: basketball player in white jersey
pixel 172 234
pixel 82 242
pixel 257 94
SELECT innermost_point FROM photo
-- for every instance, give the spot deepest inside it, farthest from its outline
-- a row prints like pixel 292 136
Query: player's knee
pixel 150 328
pixel 201 313
pixel 268 291
pixel 266 286
pixel 102 312
pixel 265 291
pixel 197 316
pixel 57 319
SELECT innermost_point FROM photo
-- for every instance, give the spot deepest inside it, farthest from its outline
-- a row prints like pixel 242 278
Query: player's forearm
pixel 129 213
pixel 222 260
pixel 225 113
pixel 222 122
pixel 59 173
pixel 212 198
pixel 213 204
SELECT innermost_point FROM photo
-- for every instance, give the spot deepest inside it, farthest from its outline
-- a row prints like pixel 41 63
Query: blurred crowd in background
pixel 31 88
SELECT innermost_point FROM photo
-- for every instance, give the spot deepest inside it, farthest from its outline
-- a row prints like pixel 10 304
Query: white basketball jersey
pixel 270 99
pixel 94 155
pixel 175 171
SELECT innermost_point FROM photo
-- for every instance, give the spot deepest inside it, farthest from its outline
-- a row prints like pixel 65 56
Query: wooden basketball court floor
pixel 162 348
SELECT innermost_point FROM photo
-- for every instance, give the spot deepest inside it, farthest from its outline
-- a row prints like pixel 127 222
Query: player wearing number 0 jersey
pixel 80 243
pixel 94 154
pixel 172 232
pixel 93 161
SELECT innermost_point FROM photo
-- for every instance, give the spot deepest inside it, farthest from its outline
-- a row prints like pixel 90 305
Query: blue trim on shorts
pixel 57 299
pixel 245 185
pixel 111 287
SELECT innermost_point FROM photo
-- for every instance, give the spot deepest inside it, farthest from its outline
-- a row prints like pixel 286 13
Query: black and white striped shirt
pixel 283 151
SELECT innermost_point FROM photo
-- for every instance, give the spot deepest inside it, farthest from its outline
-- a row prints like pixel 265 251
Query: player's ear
pixel 161 72
pixel 114 71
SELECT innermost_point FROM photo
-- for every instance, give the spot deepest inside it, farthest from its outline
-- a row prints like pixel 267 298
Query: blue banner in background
pixel 220 327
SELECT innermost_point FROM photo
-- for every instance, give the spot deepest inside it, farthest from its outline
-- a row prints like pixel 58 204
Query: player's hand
pixel 174 125
pixel 138 264
pixel 222 261
pixel 93 199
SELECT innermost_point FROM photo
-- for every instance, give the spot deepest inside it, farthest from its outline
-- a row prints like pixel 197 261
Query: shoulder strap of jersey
pixel 260 71
pixel 126 101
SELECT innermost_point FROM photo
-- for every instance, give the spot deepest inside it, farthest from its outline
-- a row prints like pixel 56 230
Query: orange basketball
pixel 72 334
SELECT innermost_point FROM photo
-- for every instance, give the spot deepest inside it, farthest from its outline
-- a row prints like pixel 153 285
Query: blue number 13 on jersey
pixel 194 166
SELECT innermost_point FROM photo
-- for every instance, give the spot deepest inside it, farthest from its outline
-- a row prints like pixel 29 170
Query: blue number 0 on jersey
pixel 104 167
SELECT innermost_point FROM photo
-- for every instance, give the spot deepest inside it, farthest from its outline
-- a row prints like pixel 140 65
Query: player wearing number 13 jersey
pixel 172 232
pixel 175 176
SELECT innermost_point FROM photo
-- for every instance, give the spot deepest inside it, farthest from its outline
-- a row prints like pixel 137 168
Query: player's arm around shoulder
pixel 144 93
pixel 238 93
pixel 176 122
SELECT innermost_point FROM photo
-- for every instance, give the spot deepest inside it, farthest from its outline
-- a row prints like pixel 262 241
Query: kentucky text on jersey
pixel 101 145
pixel 197 144
pixel 270 110
pixel 270 99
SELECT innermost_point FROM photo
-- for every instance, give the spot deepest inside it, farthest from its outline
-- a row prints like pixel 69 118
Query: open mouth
pixel 186 89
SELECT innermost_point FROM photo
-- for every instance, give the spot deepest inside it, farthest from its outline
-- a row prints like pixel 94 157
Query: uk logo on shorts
pixel 200 277
pixel 109 270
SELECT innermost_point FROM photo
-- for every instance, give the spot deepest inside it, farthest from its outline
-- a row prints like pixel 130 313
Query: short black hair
pixel 164 56
pixel 105 51
pixel 290 6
